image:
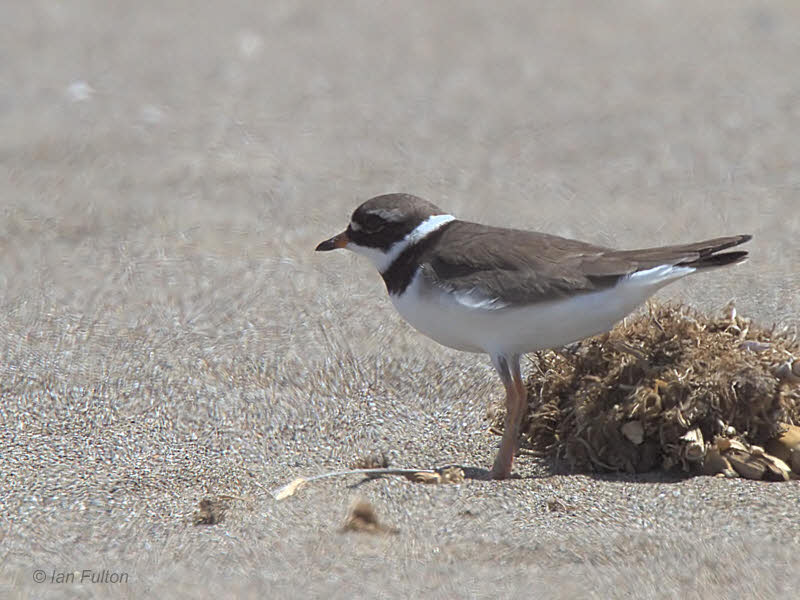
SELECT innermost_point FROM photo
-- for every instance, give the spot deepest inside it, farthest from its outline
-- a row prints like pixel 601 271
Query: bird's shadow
pixel 472 473
pixel 649 477
pixel 481 474
pixel 646 477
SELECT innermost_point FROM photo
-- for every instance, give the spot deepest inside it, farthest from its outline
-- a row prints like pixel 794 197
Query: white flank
pixel 475 324
pixel 382 260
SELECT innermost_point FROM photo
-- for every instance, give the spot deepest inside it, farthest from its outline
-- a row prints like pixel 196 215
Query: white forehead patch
pixel 393 215
pixel 355 226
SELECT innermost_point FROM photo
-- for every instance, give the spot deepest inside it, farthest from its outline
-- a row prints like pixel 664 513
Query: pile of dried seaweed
pixel 669 388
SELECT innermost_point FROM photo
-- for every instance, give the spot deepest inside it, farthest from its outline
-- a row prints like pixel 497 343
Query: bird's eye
pixel 372 223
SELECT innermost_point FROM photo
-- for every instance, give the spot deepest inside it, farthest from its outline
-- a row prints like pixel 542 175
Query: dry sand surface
pixel 168 334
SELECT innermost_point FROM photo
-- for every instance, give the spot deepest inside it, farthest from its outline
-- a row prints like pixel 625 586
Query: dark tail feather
pixel 708 251
pixel 699 254
pixel 714 246
pixel 711 261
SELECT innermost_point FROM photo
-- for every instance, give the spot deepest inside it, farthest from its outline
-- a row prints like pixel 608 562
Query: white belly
pixel 539 326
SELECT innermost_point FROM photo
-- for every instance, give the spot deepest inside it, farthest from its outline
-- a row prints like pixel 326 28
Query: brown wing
pixel 524 267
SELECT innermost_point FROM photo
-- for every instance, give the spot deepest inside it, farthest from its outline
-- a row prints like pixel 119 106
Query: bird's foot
pixel 501 469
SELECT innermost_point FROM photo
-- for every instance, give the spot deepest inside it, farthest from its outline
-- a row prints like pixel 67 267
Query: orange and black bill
pixel 337 241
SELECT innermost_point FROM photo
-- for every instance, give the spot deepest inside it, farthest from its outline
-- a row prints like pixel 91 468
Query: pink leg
pixel 516 396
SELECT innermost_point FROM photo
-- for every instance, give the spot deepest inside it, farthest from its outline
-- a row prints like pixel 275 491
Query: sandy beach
pixel 167 333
